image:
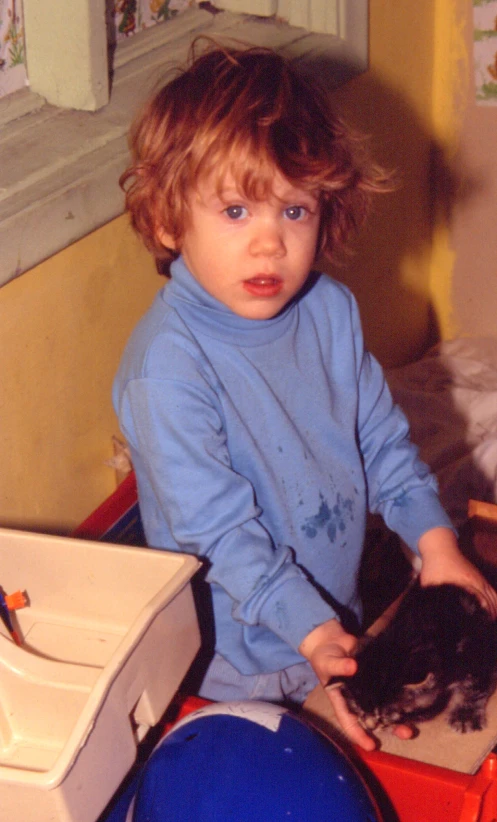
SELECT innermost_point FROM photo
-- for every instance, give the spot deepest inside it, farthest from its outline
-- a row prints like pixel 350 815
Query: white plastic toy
pixel 105 640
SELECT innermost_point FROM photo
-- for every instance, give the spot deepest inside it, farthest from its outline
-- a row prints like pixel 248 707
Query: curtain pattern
pixel 485 50
pixel 12 57
pixel 131 16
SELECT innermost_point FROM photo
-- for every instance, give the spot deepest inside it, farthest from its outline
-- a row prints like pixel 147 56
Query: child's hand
pixel 442 561
pixel 328 648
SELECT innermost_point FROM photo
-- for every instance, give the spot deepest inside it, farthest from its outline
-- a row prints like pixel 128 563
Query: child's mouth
pixel 263 286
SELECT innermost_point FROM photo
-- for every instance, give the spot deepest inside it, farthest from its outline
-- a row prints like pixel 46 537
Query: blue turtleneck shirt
pixel 259 445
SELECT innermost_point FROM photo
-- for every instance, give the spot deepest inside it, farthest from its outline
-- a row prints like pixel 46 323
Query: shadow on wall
pixel 448 393
pixel 389 266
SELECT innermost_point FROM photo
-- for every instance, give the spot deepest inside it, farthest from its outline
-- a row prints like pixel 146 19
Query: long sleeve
pixel 400 486
pixel 211 510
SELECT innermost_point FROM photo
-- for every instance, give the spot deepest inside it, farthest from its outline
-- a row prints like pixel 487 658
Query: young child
pixel 260 428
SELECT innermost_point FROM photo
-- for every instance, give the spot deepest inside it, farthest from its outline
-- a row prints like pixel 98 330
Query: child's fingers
pixel 486 595
pixel 402 731
pixel 490 600
pixel 348 722
pixel 331 663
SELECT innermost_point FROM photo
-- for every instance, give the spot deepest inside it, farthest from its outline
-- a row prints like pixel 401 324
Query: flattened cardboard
pixel 436 743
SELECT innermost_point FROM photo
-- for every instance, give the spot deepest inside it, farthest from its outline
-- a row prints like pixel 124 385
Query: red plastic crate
pixel 117 519
pixel 425 793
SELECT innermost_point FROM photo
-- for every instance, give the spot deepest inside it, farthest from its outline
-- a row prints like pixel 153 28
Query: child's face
pixel 253 256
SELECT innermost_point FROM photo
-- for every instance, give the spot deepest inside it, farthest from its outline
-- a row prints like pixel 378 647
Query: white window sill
pixel 59 169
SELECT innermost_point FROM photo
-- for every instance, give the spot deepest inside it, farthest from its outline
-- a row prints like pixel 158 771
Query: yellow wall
pixel 400 268
pixel 469 255
pixel 413 103
pixel 63 325
pixel 451 83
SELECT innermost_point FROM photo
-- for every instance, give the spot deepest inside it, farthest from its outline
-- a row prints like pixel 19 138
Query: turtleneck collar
pixel 205 314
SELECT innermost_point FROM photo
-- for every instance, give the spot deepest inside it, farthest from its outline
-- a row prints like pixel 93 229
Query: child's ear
pixel 166 239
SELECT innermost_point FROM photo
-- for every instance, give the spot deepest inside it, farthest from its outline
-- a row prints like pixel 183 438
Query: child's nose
pixel 267 240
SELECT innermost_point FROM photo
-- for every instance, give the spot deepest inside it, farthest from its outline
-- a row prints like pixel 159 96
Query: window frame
pixel 66 48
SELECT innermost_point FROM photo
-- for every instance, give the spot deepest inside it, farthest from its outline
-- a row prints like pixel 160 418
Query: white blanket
pixel 450 399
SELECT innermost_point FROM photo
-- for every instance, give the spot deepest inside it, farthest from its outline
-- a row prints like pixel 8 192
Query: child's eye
pixel 296 212
pixel 236 212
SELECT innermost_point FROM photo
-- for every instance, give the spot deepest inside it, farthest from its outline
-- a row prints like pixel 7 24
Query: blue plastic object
pixel 250 762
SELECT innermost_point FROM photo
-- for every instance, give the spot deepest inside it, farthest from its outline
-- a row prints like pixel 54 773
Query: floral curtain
pixel 131 16
pixel 12 59
pixel 485 50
